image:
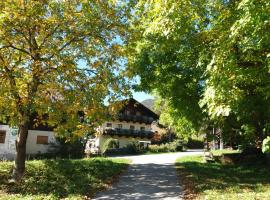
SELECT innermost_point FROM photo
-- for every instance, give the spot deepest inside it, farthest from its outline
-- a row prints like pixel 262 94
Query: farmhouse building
pixel 132 124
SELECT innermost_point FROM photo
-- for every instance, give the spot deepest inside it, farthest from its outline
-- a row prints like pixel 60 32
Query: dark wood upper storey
pixel 134 111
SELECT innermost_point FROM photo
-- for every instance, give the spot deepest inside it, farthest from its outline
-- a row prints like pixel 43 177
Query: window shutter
pixel 42 139
pixel 2 136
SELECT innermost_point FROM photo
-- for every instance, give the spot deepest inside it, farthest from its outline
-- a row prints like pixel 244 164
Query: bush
pixel 132 148
pixel 195 144
pixel 109 144
pixel 251 150
pixel 266 145
pixel 65 149
pixel 168 147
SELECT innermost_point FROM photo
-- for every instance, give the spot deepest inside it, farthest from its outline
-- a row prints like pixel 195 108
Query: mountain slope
pixel 149 103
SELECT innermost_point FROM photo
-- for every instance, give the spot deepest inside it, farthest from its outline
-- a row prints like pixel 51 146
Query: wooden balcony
pixel 127 133
pixel 135 118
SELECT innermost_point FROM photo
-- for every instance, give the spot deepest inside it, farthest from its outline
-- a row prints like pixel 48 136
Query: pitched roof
pixel 132 102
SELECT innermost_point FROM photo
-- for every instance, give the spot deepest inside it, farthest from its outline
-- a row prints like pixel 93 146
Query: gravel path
pixel 148 177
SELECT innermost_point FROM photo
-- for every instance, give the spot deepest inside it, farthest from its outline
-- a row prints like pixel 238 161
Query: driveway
pixel 148 177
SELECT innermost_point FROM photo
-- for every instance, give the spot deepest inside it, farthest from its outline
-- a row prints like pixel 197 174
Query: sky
pixel 141 96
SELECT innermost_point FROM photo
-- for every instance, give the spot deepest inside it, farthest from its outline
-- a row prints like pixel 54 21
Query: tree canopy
pixel 59 58
pixel 208 60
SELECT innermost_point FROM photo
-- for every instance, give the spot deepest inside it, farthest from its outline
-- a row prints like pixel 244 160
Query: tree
pixel 174 120
pixel 58 58
pixel 238 73
pixel 167 42
pixel 208 59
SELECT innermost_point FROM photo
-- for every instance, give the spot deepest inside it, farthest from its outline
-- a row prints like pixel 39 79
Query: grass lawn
pixel 229 182
pixel 61 179
pixel 224 151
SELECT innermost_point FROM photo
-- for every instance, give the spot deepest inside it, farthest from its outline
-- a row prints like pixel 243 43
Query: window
pixel 142 128
pixel 109 125
pixel 132 127
pixel 119 126
pixel 42 139
pixel 2 136
pixel 127 112
pixel 138 113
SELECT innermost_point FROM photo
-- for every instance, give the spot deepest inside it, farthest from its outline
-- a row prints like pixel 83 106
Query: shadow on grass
pixel 215 176
pixel 62 178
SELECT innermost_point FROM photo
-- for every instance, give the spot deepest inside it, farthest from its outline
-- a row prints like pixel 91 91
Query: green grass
pixel 224 151
pixel 216 181
pixel 60 179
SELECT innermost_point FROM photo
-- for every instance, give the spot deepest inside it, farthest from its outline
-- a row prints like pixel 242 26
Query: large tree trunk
pixel 19 166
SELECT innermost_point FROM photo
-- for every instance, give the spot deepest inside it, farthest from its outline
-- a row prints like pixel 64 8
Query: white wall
pixel 8 149
pixel 31 145
pixel 123 141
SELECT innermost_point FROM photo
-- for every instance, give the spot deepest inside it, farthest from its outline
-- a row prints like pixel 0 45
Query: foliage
pixel 266 145
pixel 216 181
pixel 59 59
pixel 109 143
pixel 195 143
pixel 174 120
pixel 67 148
pixel 239 66
pixel 167 147
pixel 165 49
pixel 224 151
pixel 208 61
pixel 58 179
pixel 132 148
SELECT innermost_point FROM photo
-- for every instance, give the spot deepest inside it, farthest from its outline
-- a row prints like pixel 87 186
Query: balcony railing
pixel 135 118
pixel 127 132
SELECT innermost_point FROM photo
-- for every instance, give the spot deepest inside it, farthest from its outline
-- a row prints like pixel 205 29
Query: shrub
pixel 266 145
pixel 251 150
pixel 168 147
pixel 132 148
pixel 64 149
pixel 195 144
pixel 109 143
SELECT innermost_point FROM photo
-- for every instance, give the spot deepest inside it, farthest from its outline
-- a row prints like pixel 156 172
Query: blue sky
pixel 140 96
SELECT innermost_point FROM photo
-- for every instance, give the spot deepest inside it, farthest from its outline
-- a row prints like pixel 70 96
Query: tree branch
pixel 13 90
pixel 74 39
pixel 14 47
pixel 49 35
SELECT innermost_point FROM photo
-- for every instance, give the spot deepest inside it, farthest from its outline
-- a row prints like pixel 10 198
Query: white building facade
pixel 38 142
pixel 133 124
